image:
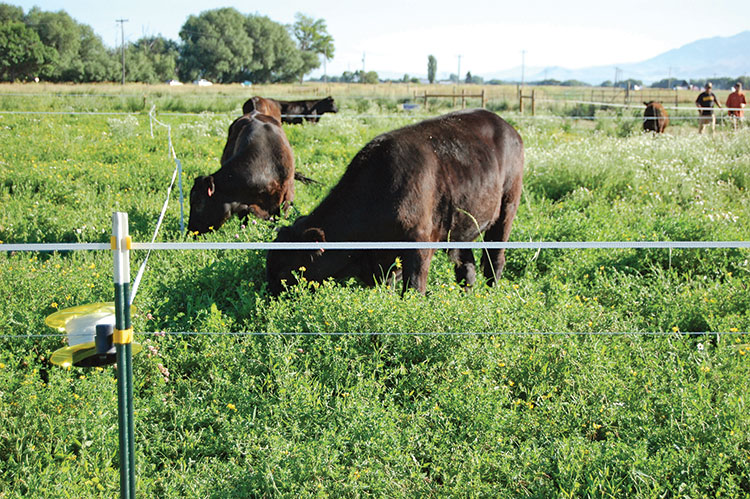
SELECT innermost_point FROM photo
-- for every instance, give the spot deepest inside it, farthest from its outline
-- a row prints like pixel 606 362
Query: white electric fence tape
pixel 390 245
pixel 175 174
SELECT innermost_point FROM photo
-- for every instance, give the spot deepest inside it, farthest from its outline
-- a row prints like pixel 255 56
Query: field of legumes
pixel 583 373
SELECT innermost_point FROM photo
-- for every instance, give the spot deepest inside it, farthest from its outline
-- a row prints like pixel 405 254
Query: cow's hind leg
pixel 493 260
pixel 465 269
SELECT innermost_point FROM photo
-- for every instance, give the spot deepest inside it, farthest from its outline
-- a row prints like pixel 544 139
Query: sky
pixel 395 37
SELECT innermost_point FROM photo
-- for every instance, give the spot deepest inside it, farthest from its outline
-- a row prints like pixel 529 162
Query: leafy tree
pixel 313 41
pixel 367 77
pixel 10 13
pixel 94 61
pixel 151 60
pixel 574 83
pixel 22 53
pixel 431 68
pixel 77 53
pixel 60 32
pixel 216 46
pixel 670 83
pixel 549 82
pixel 629 83
pixel 347 77
pixel 275 58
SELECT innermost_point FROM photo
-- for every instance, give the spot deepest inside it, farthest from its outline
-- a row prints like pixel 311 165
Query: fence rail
pixel 382 245
pixel 453 95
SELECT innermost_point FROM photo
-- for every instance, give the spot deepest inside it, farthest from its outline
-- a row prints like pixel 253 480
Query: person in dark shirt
pixel 705 103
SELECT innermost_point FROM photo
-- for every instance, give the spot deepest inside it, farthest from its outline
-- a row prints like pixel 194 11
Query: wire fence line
pixel 411 113
pixel 240 334
pixel 380 245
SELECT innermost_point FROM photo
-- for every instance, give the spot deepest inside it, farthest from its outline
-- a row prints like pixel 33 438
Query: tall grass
pixel 512 410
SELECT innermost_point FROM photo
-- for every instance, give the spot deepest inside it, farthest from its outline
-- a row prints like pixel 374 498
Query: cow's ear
pixel 210 186
pixel 314 235
pixel 645 104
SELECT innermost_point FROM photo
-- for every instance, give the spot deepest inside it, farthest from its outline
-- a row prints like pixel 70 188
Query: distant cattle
pixel 269 107
pixel 448 178
pixel 291 111
pixel 256 176
pixel 655 117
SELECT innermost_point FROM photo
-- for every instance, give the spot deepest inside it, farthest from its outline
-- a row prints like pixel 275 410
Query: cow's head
pixel 207 211
pixel 326 105
pixel 280 264
pixel 250 105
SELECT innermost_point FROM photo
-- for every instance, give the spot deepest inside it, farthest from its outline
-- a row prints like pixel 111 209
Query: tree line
pixel 221 45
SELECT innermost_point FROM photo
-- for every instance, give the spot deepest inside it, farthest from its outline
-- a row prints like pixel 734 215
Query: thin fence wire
pixel 383 245
pixel 410 115
pixel 512 116
pixel 675 334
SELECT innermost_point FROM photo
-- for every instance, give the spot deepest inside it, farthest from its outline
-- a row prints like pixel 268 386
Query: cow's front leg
pixel 416 268
pixel 465 268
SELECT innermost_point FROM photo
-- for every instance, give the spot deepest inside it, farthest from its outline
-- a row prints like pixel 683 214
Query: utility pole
pixel 458 75
pixel 122 38
pixel 523 67
pixel 669 83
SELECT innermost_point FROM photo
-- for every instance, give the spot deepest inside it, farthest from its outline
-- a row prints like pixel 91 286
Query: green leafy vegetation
pixel 222 45
pixel 526 389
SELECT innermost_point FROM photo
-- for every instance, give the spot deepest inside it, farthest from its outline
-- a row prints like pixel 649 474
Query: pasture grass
pixel 512 410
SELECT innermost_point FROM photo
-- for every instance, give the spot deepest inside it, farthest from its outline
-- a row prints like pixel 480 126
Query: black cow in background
pixel 292 111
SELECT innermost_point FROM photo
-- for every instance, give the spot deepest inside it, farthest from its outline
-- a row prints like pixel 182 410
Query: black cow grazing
pixel 269 107
pixel 294 111
pixel 655 117
pixel 447 178
pixel 256 176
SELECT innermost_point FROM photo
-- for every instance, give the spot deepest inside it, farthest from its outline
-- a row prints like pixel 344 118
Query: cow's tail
pixel 305 180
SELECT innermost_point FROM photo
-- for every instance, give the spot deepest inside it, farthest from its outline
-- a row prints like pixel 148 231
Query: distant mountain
pixel 705 58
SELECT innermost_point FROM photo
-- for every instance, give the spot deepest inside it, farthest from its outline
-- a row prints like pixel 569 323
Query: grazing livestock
pixel 293 111
pixel 256 176
pixel 655 117
pixel 269 107
pixel 448 178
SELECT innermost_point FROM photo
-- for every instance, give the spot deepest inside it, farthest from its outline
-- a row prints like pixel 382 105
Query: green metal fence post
pixel 123 339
